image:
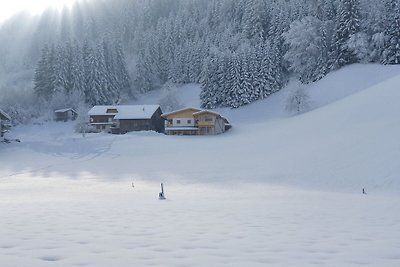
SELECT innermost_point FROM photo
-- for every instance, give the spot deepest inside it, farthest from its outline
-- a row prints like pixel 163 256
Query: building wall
pixel 183 114
pixel 101 118
pixel 219 126
pixel 210 124
pixel 155 123
pixel 183 122
pixel 158 121
pixel 64 116
pixel 134 125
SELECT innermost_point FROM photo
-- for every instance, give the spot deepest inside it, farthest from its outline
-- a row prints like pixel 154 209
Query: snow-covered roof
pixel 4 115
pixel 126 112
pixel 180 110
pixel 64 110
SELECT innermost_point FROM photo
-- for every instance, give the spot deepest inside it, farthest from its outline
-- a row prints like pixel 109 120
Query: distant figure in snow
pixel 364 191
pixel 133 185
pixel 161 195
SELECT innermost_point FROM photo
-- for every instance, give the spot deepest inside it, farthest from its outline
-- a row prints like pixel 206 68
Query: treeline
pixel 96 74
pixel 248 49
pixel 238 50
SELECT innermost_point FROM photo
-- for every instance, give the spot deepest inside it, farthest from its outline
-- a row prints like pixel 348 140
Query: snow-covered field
pixel 276 190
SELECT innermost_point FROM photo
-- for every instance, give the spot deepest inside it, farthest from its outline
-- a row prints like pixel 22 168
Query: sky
pixel 10 7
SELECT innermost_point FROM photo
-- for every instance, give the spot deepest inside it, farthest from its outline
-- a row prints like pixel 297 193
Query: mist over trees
pixel 107 51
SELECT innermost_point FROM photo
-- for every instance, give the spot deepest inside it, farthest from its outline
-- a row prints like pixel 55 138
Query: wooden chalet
pixel 66 114
pixel 121 119
pixel 194 121
pixel 5 121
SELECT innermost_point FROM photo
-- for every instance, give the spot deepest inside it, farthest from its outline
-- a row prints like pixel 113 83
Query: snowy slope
pixel 344 146
pixel 276 190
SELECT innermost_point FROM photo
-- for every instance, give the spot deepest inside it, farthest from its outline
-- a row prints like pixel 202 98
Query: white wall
pixel 183 122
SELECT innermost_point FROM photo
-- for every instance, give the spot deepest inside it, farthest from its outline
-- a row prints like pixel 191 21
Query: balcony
pixel 204 123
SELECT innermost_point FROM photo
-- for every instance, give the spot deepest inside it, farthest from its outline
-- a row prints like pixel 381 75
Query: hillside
pixel 346 142
pixel 276 190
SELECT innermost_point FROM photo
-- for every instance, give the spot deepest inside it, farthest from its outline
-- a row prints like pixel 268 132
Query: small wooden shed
pixel 65 114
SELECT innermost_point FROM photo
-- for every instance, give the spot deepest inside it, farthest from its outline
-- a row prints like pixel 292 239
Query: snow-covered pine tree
pixel 253 19
pixel 78 72
pixel 391 54
pixel 246 84
pixel 42 84
pixel 265 74
pixel 67 57
pixel 107 80
pixel 86 58
pixel 144 77
pixel 234 87
pixel 210 83
pixel 111 87
pixel 121 70
pixel 306 48
pixel 254 61
pixel 276 74
pixel 94 93
pixel 348 24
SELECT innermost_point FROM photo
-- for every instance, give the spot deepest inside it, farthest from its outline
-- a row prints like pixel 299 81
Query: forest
pixel 108 52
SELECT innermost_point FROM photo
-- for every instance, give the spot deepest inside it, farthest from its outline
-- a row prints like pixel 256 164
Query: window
pixel 189 121
pixel 178 121
pixel 112 110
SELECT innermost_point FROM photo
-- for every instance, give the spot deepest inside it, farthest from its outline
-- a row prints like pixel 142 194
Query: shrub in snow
pixel 298 101
pixel 82 125
pixel 84 128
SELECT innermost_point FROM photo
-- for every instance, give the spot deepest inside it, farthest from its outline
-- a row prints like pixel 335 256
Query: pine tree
pixel 307 49
pixel 253 20
pixel 42 83
pixel 94 93
pixel 144 80
pixel 348 24
pixel 391 54
pixel 121 71
pixel 246 84
pixel 233 85
pixel 77 72
pixel 107 66
pixel 265 72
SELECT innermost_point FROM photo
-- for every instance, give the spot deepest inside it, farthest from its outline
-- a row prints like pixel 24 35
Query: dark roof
pixel 64 110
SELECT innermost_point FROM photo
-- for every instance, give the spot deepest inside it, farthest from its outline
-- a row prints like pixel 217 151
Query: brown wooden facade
pixel 155 123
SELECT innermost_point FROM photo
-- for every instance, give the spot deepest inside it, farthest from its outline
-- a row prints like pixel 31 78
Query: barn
pixel 121 119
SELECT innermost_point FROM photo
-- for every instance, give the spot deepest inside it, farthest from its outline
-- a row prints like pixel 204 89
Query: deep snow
pixel 276 190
